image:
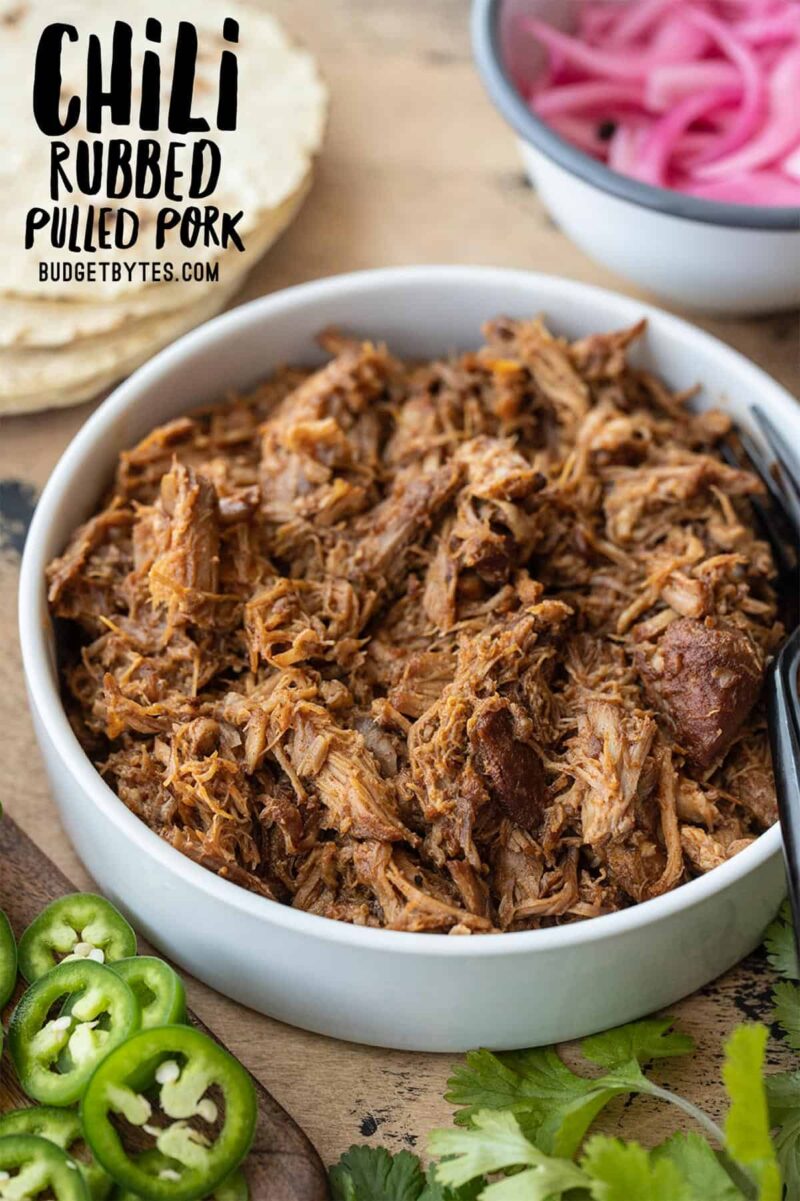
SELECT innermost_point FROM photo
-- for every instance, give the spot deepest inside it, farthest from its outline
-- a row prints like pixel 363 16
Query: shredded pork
pixel 463 646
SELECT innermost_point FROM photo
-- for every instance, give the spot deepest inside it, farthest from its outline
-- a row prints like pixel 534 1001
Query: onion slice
pixel 791 164
pixel 780 131
pixel 776 27
pixel 637 19
pixel 663 137
pixel 594 96
pixel 624 148
pixel 615 64
pixel 753 102
pixel 669 84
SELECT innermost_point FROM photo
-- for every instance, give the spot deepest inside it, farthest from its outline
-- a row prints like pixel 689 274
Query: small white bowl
pixel 705 256
pixel 423 991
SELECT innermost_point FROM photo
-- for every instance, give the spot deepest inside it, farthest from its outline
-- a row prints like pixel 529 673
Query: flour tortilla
pixel 282 108
pixel 27 323
pixel 46 379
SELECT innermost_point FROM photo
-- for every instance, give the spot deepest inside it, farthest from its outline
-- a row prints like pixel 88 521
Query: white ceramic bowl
pixel 424 991
pixel 718 258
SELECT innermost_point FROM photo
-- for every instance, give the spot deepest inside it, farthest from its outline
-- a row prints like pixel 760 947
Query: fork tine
pixel 774 519
pixel 785 746
pixel 763 467
pixel 788 461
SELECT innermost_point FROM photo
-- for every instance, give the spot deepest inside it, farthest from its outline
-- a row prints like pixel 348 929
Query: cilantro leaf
pixel 530 1080
pixel 642 1041
pixel 622 1171
pixel 787 1011
pixel 554 1105
pixel 564 1130
pixel 787 1148
pixel 747 1125
pixel 434 1191
pixel 372 1174
pixel 495 1143
pixel 783 1094
pixel 780 943
pixel 532 1185
pixel 486 1082
pixel 698 1165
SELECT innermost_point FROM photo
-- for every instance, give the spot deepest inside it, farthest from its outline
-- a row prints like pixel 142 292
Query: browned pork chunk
pixel 510 768
pixel 185 574
pixel 705 677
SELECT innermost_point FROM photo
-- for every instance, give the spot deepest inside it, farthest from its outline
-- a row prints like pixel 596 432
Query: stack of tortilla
pixel 66 341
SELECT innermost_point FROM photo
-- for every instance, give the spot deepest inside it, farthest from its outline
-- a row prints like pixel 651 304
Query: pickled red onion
pixel 753 102
pixel 656 152
pixel 676 81
pixel 791 164
pixel 614 64
pixel 776 27
pixel 625 147
pixel 636 20
pixel 583 97
pixel 695 95
pixel 778 134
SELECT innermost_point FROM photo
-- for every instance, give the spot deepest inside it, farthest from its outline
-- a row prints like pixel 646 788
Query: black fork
pixel 779 516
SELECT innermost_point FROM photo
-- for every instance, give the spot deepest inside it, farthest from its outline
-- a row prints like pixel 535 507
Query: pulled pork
pixel 463 646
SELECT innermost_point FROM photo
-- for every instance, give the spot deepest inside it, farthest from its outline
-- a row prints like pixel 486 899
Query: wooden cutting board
pixel 282 1165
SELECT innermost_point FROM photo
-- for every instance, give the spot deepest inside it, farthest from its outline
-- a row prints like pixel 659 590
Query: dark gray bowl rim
pixel 486 48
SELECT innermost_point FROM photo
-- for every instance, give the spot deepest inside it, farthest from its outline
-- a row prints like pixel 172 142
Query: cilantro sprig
pixel 523 1122
pixel 556 1106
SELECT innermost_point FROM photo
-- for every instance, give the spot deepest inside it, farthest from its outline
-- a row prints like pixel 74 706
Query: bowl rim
pixel 44 694
pixel 485 23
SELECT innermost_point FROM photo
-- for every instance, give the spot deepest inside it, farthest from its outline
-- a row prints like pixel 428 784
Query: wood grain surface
pixel 282 1164
pixel 418 167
